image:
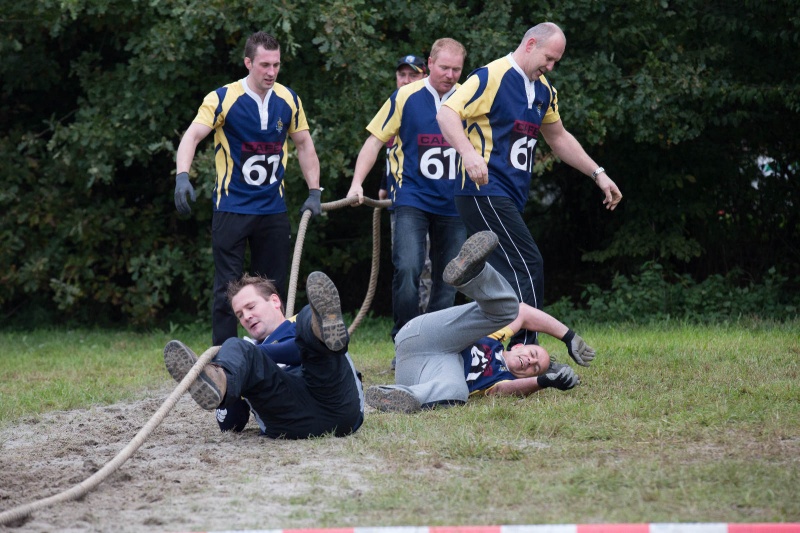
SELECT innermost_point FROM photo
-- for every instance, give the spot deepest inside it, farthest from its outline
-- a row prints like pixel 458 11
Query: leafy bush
pixel 656 294
pixel 91 110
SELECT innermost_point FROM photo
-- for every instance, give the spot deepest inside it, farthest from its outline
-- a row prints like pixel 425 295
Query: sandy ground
pixel 172 482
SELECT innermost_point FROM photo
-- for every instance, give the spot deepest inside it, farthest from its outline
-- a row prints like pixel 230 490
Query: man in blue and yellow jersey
pixel 251 119
pixel 423 167
pixel 504 106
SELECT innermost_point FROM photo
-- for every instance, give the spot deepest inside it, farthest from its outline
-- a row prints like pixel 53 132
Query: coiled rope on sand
pixel 90 483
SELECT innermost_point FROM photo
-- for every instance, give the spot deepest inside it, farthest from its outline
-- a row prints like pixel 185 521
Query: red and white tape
pixel 781 527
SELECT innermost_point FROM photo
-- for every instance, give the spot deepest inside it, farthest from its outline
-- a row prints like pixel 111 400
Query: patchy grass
pixel 672 423
pixel 55 370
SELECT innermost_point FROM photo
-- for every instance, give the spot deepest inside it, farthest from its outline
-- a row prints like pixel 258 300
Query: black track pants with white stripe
pixel 517 257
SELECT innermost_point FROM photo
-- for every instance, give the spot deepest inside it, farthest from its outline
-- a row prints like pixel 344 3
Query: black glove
pixel 580 352
pixel 312 203
pixel 182 188
pixel 563 379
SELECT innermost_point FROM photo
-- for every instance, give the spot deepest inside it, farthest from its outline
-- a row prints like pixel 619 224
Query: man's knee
pixel 508 308
pixel 234 346
pixel 233 342
pixel 409 263
pixel 405 285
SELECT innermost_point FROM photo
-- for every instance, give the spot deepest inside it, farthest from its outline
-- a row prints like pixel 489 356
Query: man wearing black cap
pixel 409 68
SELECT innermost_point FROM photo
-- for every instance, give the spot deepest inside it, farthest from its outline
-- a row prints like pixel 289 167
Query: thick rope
pixel 295 271
pixel 90 483
pixel 376 252
pixel 373 272
pixel 98 477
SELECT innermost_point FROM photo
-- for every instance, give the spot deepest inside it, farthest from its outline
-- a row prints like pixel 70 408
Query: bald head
pixel 542 33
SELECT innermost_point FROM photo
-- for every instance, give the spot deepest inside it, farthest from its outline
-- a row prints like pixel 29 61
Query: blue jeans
pixel 447 234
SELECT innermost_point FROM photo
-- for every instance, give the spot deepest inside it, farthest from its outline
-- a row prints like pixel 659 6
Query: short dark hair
pixel 260 38
pixel 265 287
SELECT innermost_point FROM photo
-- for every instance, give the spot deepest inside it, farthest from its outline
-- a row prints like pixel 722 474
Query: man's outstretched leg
pixel 430 368
pixel 208 389
pixel 335 402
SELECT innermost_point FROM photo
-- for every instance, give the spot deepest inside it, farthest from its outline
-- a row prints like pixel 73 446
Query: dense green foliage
pixel 676 99
pixel 656 295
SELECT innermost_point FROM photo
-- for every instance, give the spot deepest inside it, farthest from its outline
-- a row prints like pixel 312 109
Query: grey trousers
pixel 428 348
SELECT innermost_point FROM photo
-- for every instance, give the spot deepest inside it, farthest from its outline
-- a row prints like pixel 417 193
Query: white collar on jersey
pixel 530 91
pixel 436 99
pixel 262 105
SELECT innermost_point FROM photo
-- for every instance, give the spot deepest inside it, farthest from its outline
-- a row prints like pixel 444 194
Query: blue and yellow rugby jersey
pixel 503 111
pixel 484 363
pixel 422 165
pixel 250 145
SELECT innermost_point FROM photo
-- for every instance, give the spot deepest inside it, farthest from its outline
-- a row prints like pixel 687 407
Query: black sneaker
pixel 471 259
pixel 326 311
pixel 391 399
pixel 209 387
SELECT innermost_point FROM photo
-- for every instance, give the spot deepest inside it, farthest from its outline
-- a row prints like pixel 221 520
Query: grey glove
pixel 580 352
pixel 182 188
pixel 563 379
pixel 312 203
